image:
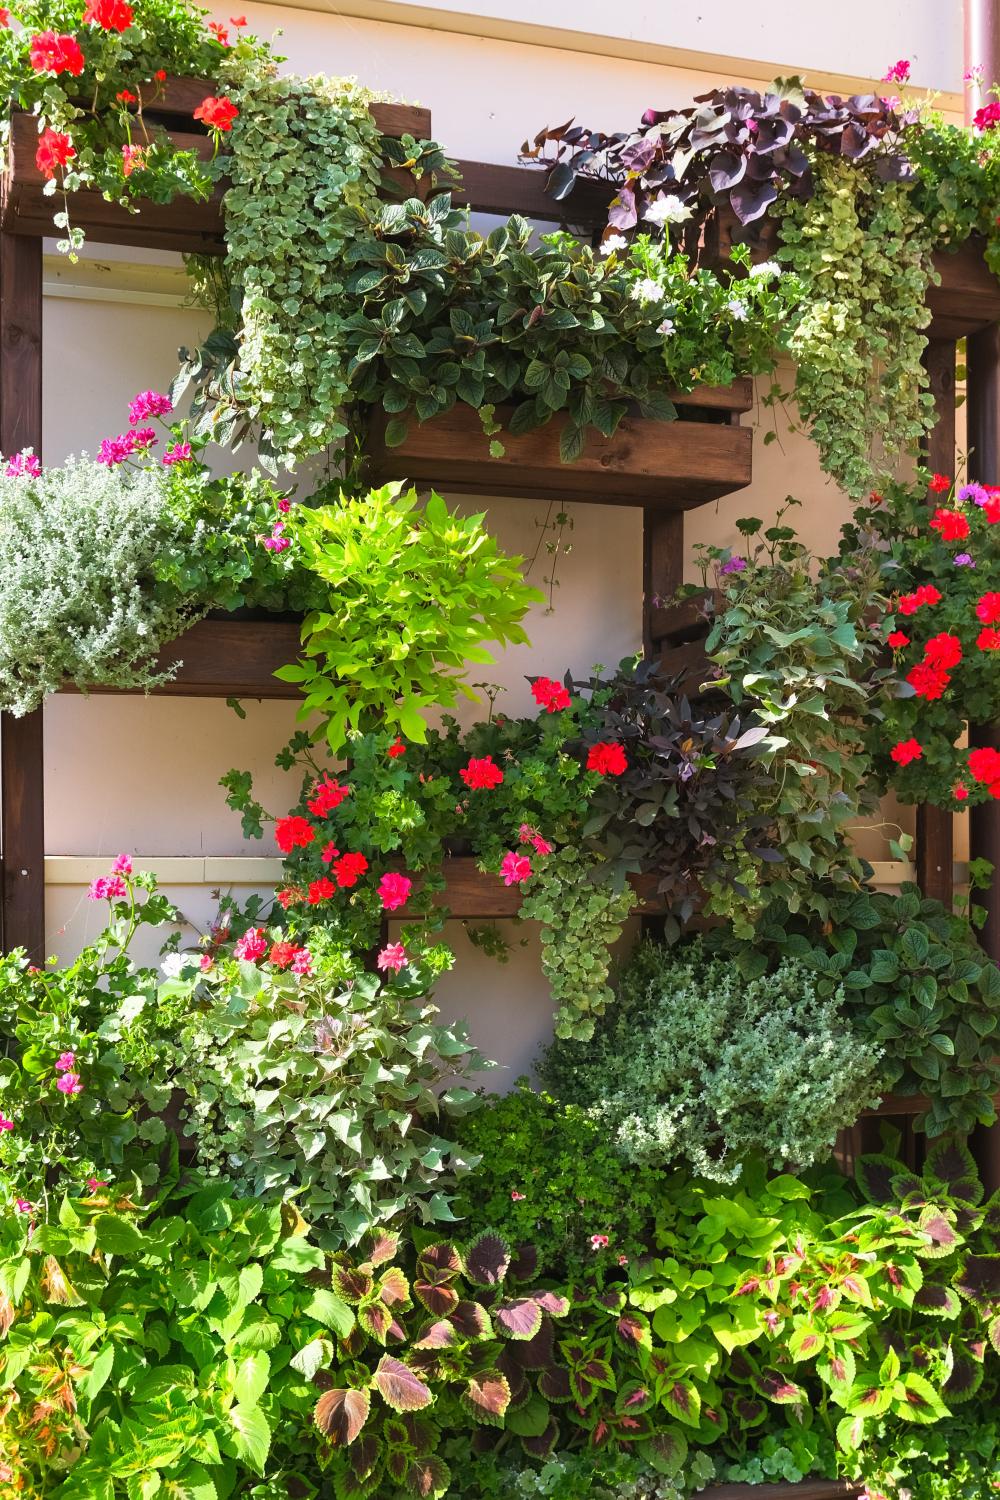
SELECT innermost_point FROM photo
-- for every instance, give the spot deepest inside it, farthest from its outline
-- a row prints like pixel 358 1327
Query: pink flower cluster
pixel 70 1082
pixel 393 956
pixel 116 450
pixel 255 946
pixel 177 453
pixel 528 835
pixel 148 404
pixel 23 465
pixel 277 541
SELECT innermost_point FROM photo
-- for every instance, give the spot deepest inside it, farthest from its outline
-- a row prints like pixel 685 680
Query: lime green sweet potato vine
pixel 414 593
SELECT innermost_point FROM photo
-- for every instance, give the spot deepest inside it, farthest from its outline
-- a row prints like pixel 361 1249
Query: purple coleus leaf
pixel 623 214
pixel 472 1321
pixel 486 1260
pixel 965 1378
pixel 394 1289
pixel 941 1236
pixel 524 1263
pixel 442 1258
pixel 551 1302
pixel 682 1400
pixel 399 1387
pixel 939 1301
pixel 950 1165
pixel 352 1284
pixel 544 1444
pixel 778 1388
pixel 440 1334
pixel 375 1319
pixel 427 1477
pixel 436 1293
pixel 537 1353
pixel 364 1457
pixel 487 1397
pixel 383 1248
pixel 748 1411
pixel 554 1385
pixel 518 1317
pixel 979 1281
pixel 633 1329
pixel 633 1399
pixel 341 1414
pixel 875 1178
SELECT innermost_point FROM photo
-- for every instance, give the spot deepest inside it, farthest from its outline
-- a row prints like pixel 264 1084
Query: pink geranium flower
pixel 515 868
pixel 148 404
pixel 598 1242
pixel 6 1124
pixel 252 946
pixel 70 1083
pixel 394 890
pixel 393 956
pixel 107 888
pixel 122 865
pixel 66 1062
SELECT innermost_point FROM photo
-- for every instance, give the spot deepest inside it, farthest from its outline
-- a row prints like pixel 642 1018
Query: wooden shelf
pixel 808 1489
pixel 470 895
pixel 669 466
pixel 229 658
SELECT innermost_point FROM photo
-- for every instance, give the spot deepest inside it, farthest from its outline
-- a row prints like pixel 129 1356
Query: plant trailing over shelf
pixel 696 1064
pixel 941 580
pixel 92 83
pixel 862 189
pixel 413 593
pixel 917 984
pixel 108 560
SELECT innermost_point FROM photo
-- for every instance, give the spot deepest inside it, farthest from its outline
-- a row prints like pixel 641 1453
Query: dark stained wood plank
pixel 662 566
pixel 808 1489
pixel 934 852
pixel 666 466
pixel 229 659
pixel 688 619
pixel 689 664
pixel 22 786
pixel 472 895
pixel 495 189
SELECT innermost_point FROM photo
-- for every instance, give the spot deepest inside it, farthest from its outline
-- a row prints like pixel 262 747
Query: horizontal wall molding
pixel 226 869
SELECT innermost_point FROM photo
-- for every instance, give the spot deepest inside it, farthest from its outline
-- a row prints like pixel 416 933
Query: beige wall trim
pixel 538 34
pixel 225 870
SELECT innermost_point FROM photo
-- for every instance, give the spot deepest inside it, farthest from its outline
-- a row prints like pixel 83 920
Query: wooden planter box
pixel 228 658
pixel 471 895
pixel 183 224
pixel 670 466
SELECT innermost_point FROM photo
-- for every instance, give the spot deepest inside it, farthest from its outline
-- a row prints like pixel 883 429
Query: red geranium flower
pixel 326 796
pixel 281 954
pixel 481 774
pixel 293 833
pixel 940 483
pixel 54 150
pixel 607 758
pixel 988 639
pixel 951 524
pixel 110 15
pixel 927 680
pixel 991 510
pixel 348 868
pixel 984 763
pixel 549 695
pixel 218 114
pixel 960 793
pixel 943 650
pixel 219 32
pixel 988 609
pixel 49 53
pixel 925 594
pixel 906 751
pixel 321 890
pixel 897 640
pixel 396 749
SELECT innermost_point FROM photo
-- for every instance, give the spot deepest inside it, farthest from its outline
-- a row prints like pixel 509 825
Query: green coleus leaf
pixel 249 1436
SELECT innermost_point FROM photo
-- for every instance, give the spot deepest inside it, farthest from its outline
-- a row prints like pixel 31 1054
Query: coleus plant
pixel 734 146
pixel 458 1337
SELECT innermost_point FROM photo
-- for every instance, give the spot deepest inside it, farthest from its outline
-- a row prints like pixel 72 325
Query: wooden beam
pixel 662 566
pixel 935 832
pixel 22 783
pixel 227 658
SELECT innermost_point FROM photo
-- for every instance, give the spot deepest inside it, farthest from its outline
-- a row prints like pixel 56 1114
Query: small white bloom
pixel 766 269
pixel 173 965
pixel 737 310
pixel 666 328
pixel 667 210
pixel 612 243
pixel 646 290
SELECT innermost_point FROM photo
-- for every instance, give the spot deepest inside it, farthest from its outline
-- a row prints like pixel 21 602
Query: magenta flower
pixel 284 505
pixel 70 1083
pixel 116 450
pixel 145 438
pixel 974 492
pixel 393 956
pixel 517 1197
pixel 6 1124
pixel 66 1062
pixel 276 542
pixel 148 404
pixel 23 465
pixel 177 453
pixel 302 963
pixel 122 865
pixel 252 946
pixel 540 845
pixel 515 868
pixel 598 1242
pixel 898 73
pixel 206 962
pixel 394 891
pixel 734 565
pixel 107 888
pixel 94 1183
pixel 22 1205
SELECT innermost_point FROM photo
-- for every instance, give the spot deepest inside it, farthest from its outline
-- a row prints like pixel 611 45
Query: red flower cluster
pixel 988 639
pixel 396 749
pixel 327 795
pixel 549 695
pixel 348 868
pixel 940 484
pixel 607 758
pixel 217 114
pixel 906 751
pixel 110 15
pixel 927 680
pixel 988 117
pixel 54 150
pixel 481 774
pixel 925 594
pixel 321 890
pixel 943 650
pixel 49 53
pixel 293 833
pixel 988 609
pixel 984 763
pixel 897 640
pixel 283 954
pixel 951 525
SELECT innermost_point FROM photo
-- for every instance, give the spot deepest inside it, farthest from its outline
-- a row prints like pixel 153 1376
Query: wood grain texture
pixel 665 466
pixel 227 659
pixel 662 566
pixel 22 784
pixel 471 895
pixel 808 1489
